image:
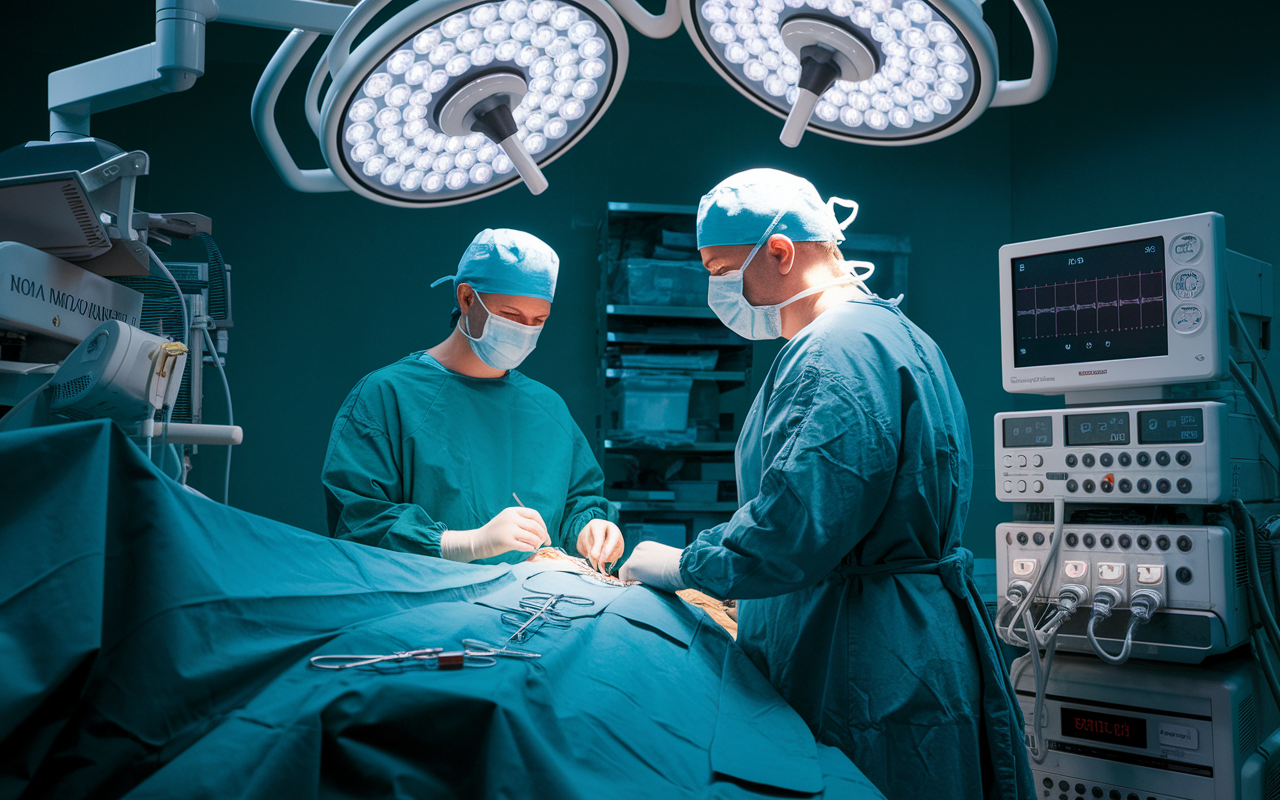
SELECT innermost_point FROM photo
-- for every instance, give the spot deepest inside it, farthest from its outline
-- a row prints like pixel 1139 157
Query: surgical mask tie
pixel 504 344
pixel 724 292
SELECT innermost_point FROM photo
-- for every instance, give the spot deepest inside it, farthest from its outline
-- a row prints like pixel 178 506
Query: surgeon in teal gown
pixel 451 452
pixel 855 471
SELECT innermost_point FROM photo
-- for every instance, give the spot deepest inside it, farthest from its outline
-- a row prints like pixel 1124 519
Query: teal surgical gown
pixel 857 601
pixel 418 449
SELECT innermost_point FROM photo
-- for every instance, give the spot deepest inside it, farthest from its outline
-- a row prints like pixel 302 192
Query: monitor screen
pixel 1028 432
pixel 1092 304
pixel 1168 427
pixel 1107 428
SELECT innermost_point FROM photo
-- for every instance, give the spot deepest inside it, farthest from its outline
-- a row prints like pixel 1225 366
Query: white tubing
pixel 524 164
pixel 798 118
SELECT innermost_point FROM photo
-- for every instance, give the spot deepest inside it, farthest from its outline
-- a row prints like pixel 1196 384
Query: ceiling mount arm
pixel 1044 60
pixel 173 62
pixel 263 112
pixel 651 25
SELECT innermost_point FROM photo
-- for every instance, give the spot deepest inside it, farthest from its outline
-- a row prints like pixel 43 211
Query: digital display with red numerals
pixel 1109 728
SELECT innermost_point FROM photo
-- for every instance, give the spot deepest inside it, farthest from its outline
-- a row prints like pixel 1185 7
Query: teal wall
pixel 329 287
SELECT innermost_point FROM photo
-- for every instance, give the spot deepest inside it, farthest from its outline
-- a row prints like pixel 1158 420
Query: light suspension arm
pixel 653 26
pixel 1044 59
pixel 173 62
pixel 263 112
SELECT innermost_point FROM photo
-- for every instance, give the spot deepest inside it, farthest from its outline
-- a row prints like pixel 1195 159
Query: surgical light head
pixel 883 72
pixel 449 102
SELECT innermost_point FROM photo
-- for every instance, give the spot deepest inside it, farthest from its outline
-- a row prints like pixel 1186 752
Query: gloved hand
pixel 600 542
pixel 657 565
pixel 513 529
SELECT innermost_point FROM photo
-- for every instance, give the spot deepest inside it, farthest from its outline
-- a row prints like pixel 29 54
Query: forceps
pixel 536 612
pixel 428 657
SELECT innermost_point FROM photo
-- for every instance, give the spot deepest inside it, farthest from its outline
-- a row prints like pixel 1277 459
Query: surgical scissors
pixel 535 612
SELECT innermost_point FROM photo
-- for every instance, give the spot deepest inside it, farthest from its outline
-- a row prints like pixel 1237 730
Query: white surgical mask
pixel 504 343
pixel 724 292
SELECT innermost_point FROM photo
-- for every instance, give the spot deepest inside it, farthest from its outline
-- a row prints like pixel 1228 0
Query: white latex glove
pixel 600 542
pixel 657 565
pixel 514 529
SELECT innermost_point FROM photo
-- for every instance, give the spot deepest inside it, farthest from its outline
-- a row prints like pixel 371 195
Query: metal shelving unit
pixel 632 231
pixel 639 463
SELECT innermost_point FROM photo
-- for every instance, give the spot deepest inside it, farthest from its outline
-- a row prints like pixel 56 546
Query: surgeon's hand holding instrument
pixel 514 528
pixel 600 542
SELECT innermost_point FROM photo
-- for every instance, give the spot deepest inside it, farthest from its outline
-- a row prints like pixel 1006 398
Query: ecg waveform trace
pixel 1097 305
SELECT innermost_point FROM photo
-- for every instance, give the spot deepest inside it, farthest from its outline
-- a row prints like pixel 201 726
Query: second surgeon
pixel 430 454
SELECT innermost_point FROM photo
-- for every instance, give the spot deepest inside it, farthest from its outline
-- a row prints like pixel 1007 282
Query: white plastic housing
pixel 1194 254
pixel 115 373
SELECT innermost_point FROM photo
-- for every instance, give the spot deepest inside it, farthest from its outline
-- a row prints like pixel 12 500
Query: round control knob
pixel 1144 485
pixel 1072 485
pixel 1163 486
pixel 1183 575
pixel 1087 459
pixel 1125 459
pixel 1144 459
pixel 1037 461
pixel 1072 460
pixel 1022 537
pixel 1184 485
pixel 1107 540
pixel 1125 541
pixel 1144 541
pixel 1088 486
pixel 1088 540
pixel 1072 540
pixel 1162 458
pixel 1105 459
pixel 1106 486
pixel 1008 461
pixel 1022 486
pixel 1162 542
pixel 1038 486
pixel 1037 537
pixel 1008 486
pixel 1022 461
pixel 1125 485
pixel 1183 458
pixel 1184 544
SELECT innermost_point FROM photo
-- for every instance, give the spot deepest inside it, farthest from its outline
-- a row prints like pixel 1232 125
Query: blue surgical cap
pixel 741 208
pixel 505 261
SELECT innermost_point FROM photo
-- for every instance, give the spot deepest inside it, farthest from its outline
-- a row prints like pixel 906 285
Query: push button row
pixel 1036 461
pixel 1163 486
pixel 1125 541
pixel 1105 460
pixel 1065 787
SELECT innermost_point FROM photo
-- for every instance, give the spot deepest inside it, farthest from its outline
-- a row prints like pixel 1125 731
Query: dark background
pixel 1159 109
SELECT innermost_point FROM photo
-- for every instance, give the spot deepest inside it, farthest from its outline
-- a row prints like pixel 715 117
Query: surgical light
pixel 448 102
pixel 886 72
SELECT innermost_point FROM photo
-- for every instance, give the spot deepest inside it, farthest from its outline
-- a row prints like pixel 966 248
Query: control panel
pixel 1160 453
pixel 1199 571
pixel 1144 731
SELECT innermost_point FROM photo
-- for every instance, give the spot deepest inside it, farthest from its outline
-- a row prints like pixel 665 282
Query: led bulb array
pixel 390 135
pixel 922 76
